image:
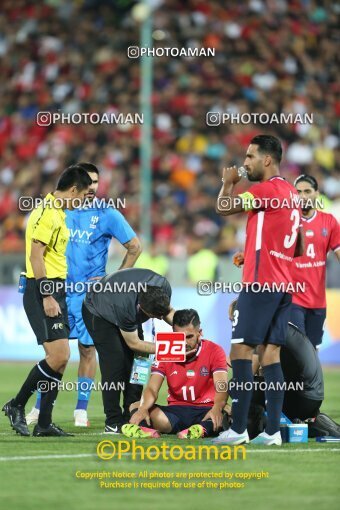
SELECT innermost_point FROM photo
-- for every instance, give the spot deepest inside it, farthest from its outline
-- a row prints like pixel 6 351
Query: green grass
pixel 298 476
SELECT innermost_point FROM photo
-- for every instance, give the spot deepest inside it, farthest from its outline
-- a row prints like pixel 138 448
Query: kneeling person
pixel 197 389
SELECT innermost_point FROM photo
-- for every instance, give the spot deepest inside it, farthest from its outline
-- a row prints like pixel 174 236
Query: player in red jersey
pixel 196 389
pixel 261 318
pixel 322 234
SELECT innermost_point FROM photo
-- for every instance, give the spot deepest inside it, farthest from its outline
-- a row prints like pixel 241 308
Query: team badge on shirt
pixel 204 371
pixel 94 221
pixel 324 232
pixel 190 373
pixel 309 233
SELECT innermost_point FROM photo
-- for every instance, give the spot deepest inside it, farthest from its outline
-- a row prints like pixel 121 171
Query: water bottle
pixel 242 172
pixel 22 282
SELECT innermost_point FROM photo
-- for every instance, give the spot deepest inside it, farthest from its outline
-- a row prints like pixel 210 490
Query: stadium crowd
pixel 71 56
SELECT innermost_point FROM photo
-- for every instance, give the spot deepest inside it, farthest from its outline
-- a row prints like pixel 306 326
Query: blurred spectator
pixel 271 56
pixel 202 262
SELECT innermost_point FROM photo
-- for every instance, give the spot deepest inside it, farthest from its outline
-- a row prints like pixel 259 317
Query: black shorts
pixel 182 417
pixel 310 321
pixel 261 318
pixel 46 329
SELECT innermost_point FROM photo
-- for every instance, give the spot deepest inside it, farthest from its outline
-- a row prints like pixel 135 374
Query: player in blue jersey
pixel 91 229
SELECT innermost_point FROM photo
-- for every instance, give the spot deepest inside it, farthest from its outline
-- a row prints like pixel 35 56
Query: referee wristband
pixel 45 287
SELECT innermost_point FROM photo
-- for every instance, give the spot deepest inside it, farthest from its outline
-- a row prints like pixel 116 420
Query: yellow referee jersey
pixel 48 225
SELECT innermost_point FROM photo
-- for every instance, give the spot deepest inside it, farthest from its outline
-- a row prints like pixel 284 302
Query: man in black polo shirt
pixel 113 312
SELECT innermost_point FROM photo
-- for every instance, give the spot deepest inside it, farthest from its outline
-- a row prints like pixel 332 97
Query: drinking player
pixel 197 389
pixel 91 229
pixel 261 318
pixel 322 234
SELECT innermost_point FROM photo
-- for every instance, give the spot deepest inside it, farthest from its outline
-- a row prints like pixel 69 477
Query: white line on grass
pixel 80 455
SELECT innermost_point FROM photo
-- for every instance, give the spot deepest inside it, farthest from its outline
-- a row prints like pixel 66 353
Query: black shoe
pixel 16 416
pixel 323 425
pixel 114 428
pixel 51 430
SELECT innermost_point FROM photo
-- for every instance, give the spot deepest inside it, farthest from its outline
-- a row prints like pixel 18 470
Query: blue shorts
pixel 77 327
pixel 311 321
pixel 182 417
pixel 261 318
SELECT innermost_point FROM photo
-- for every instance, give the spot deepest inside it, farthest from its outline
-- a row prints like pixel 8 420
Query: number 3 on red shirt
pixel 290 239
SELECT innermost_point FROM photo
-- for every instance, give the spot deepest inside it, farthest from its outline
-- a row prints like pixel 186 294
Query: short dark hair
pixel 154 301
pixel 307 178
pixel 185 317
pixel 268 145
pixel 74 175
pixel 89 167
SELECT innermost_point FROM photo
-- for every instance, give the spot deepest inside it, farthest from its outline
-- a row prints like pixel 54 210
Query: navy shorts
pixel 310 321
pixel 182 417
pixel 261 318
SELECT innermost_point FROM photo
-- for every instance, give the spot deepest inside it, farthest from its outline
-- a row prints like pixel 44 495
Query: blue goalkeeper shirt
pixel 91 230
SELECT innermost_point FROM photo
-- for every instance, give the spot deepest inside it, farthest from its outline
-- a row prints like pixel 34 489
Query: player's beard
pixel 90 197
pixel 255 175
pixel 306 210
pixel 193 351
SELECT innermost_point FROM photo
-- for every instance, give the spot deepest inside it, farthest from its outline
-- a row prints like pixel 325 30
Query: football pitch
pixel 42 472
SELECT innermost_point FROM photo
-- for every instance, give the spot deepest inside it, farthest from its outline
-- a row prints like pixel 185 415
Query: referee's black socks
pixel 40 373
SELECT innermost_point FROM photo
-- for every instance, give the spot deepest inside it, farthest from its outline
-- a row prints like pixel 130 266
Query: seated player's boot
pixel 80 418
pixel 193 432
pixel 138 432
pixel 16 416
pixel 268 440
pixel 32 417
pixel 231 437
pixel 51 431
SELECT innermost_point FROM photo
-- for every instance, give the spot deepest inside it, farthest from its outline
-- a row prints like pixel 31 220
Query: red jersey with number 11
pixel 191 383
pixel 272 229
pixel 322 234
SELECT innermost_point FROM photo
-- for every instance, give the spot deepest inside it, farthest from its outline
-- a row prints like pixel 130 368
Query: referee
pixel 44 300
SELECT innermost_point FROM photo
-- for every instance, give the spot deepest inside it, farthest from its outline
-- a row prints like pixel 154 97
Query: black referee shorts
pixel 46 329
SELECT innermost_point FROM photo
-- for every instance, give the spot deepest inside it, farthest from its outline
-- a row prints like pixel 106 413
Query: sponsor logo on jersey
pixel 324 232
pixel 204 371
pixel 174 372
pixel 309 233
pixel 190 373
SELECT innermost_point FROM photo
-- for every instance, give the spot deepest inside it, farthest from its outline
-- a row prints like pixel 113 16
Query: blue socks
pixel 84 392
pixel 241 393
pixel 273 376
pixel 38 402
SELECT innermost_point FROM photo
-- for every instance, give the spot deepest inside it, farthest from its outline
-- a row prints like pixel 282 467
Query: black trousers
pixel 115 363
pixel 297 406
